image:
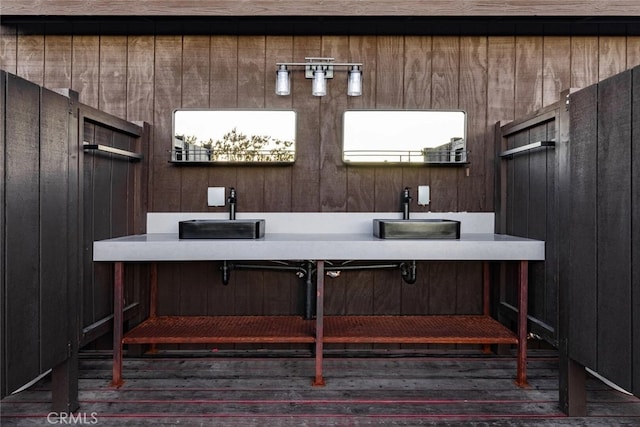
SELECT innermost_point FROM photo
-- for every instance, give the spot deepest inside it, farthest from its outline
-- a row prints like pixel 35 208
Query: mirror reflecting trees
pixel 234 136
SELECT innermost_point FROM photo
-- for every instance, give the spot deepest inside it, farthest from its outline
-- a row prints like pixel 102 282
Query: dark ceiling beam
pixel 488 26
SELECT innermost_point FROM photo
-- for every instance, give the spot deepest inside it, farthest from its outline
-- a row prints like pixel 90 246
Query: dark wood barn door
pixel 527 208
pixel 113 181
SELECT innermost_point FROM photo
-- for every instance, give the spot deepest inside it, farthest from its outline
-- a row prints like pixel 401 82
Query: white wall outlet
pixel 423 195
pixel 215 196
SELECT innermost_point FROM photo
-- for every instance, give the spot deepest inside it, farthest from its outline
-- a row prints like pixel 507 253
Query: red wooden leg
pixel 319 380
pixel 486 297
pixel 153 289
pixel 523 285
pixel 153 297
pixel 118 307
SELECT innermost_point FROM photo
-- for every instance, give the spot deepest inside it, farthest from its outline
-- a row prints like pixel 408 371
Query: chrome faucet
pixel 232 199
pixel 405 200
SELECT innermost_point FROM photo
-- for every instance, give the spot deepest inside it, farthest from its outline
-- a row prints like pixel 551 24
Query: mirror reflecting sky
pixel 400 136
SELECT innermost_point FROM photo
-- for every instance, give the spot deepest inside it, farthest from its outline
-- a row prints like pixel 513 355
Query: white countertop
pixel 325 246
pixel 317 236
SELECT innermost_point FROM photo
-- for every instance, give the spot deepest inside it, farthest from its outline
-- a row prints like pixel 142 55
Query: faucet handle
pixel 233 195
pixel 233 198
pixel 405 201
pixel 406 194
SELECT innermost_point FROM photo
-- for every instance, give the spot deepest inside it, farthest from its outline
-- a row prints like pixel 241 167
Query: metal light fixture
pixel 319 70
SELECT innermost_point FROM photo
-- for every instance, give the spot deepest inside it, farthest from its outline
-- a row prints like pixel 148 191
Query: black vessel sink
pixel 221 229
pixel 416 228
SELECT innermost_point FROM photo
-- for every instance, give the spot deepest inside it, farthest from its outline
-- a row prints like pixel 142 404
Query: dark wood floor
pixel 458 389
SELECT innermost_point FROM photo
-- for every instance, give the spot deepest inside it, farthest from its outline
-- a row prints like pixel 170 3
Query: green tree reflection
pixel 236 146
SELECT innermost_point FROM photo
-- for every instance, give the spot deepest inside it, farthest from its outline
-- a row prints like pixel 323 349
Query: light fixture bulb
pixel 283 83
pixel 354 86
pixel 319 83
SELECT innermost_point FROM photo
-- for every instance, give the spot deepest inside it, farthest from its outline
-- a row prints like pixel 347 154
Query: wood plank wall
pixel 57 200
pixel 40 233
pixel 603 240
pixel 528 209
pixel 144 77
pixel 111 189
pixel 140 77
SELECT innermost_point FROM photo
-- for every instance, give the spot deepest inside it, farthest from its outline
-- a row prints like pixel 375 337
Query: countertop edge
pixel 168 247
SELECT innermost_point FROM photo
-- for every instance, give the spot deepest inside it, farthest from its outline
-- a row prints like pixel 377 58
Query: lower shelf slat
pixel 456 329
pixel 221 329
pixel 416 329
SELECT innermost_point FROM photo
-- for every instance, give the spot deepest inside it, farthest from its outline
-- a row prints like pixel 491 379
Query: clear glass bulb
pixel 354 86
pixel 319 84
pixel 283 83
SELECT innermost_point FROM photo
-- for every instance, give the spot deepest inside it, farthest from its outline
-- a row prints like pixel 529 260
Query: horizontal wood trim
pixel 105 325
pixel 321 8
pixel 109 121
pixel 535 326
pixel 546 114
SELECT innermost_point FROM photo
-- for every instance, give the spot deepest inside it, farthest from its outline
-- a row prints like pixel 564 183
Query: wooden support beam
pixel 320 8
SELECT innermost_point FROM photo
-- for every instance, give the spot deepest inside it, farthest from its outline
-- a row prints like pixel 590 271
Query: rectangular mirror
pixel 234 136
pixel 404 137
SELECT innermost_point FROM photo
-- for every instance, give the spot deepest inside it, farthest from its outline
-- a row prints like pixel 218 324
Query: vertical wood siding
pixel 22 285
pixel 528 209
pixel 635 237
pixel 582 199
pixel 582 260
pixel 603 240
pixel 613 240
pixel 39 230
pixel 146 77
pixel 57 200
pixel 110 186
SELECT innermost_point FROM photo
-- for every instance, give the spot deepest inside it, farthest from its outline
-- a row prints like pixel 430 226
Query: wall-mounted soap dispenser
pixel 215 196
pixel 423 195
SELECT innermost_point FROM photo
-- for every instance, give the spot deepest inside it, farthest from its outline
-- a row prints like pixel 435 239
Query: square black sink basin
pixel 416 229
pixel 221 229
